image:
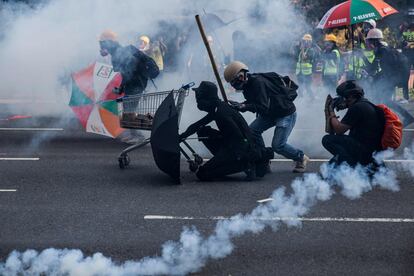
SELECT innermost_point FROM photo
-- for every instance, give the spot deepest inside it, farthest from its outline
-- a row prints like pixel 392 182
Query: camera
pixel 339 103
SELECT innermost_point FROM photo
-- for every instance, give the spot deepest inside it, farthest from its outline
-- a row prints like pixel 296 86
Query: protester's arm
pixel 196 126
pixel 337 126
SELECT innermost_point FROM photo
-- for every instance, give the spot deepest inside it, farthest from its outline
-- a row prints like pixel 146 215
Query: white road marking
pixel 29 129
pixel 326 160
pixel 265 200
pixel 317 219
pixel 7 190
pixel 19 158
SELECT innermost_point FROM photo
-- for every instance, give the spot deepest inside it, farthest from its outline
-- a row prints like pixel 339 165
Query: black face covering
pixel 206 96
pixel 108 46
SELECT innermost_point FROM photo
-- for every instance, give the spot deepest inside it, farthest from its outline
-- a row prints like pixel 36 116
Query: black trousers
pixel 224 161
pixel 347 149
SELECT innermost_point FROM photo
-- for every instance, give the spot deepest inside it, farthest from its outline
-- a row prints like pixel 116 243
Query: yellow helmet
pixel 233 69
pixel 307 37
pixel 108 35
pixel 331 37
pixel 145 39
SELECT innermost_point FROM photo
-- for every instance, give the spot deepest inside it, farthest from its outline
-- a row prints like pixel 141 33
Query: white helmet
pixel 371 22
pixel 375 34
pixel 233 69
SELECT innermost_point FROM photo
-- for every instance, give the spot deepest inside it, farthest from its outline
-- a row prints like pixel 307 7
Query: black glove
pixel 182 137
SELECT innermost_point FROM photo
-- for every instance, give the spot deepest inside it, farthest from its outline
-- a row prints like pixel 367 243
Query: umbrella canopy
pixel 355 11
pixel 93 101
pixel 165 140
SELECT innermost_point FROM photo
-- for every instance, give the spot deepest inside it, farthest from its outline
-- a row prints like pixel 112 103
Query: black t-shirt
pixel 367 124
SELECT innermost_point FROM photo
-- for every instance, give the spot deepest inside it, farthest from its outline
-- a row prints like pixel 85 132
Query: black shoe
pixel 262 169
pixel 250 172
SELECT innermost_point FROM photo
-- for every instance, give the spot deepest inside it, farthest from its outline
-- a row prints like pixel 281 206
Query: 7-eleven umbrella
pixel 93 101
pixel 355 11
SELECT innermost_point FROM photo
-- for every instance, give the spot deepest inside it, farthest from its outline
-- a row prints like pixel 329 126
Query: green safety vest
pixel 370 55
pixel 304 66
pixel 408 36
pixel 331 65
pixel 359 65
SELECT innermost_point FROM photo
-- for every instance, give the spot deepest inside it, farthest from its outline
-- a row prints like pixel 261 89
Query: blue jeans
pixel 283 128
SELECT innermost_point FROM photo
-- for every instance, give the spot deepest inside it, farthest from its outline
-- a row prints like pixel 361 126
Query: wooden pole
pixel 210 54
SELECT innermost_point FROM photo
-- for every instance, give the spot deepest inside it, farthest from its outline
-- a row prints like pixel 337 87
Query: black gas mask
pixel 107 47
pixel 339 103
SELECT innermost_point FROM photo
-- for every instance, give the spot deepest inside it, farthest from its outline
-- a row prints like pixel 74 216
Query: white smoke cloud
pixel 192 251
pixel 409 155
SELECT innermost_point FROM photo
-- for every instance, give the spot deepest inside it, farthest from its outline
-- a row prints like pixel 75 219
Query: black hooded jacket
pixel 232 126
pixel 258 91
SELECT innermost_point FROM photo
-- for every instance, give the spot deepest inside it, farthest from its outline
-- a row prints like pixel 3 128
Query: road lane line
pixel 316 219
pixel 7 190
pixel 29 129
pixel 265 200
pixel 19 158
pixel 326 160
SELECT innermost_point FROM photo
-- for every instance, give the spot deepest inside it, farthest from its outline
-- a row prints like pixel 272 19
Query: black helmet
pixel 350 88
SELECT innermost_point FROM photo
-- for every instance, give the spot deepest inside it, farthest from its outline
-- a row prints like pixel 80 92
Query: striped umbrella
pixel 355 11
pixel 93 101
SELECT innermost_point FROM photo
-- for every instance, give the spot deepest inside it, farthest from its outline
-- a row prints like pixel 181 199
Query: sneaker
pixel 301 165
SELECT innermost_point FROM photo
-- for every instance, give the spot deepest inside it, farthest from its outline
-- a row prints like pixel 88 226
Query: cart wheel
pixel 193 166
pixel 123 161
pixel 198 159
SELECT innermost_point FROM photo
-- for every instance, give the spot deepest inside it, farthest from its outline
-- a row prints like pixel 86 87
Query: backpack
pixel 282 94
pixel 146 65
pixel 392 136
pixel 151 69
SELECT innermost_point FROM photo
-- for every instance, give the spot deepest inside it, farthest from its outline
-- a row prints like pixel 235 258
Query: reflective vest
pixel 331 66
pixel 359 65
pixel 408 37
pixel 304 64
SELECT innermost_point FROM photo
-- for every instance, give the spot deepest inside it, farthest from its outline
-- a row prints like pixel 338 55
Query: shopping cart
pixel 137 112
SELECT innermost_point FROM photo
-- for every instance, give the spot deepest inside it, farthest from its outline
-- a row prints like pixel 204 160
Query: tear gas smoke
pixel 409 155
pixel 193 251
pixel 42 45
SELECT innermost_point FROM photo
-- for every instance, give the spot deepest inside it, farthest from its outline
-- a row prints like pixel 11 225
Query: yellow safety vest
pixel 409 38
pixel 359 65
pixel 304 64
pixel 331 65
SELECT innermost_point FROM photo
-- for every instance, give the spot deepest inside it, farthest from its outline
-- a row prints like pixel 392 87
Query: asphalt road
pixel 75 196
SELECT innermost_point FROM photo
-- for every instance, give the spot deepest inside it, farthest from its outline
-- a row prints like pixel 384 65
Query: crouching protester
pixel 232 144
pixel 362 119
pixel 271 97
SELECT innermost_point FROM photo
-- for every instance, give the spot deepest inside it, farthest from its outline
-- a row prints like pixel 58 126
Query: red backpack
pixel 393 129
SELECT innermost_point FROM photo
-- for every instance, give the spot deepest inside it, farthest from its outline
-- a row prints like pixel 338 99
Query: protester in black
pixel 232 144
pixel 271 97
pixel 364 121
pixel 127 60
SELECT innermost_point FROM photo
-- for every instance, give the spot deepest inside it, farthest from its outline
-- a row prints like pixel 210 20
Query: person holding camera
pixel 271 97
pixel 232 144
pixel 362 120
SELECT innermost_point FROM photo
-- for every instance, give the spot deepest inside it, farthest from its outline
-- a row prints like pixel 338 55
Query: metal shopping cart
pixel 137 112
